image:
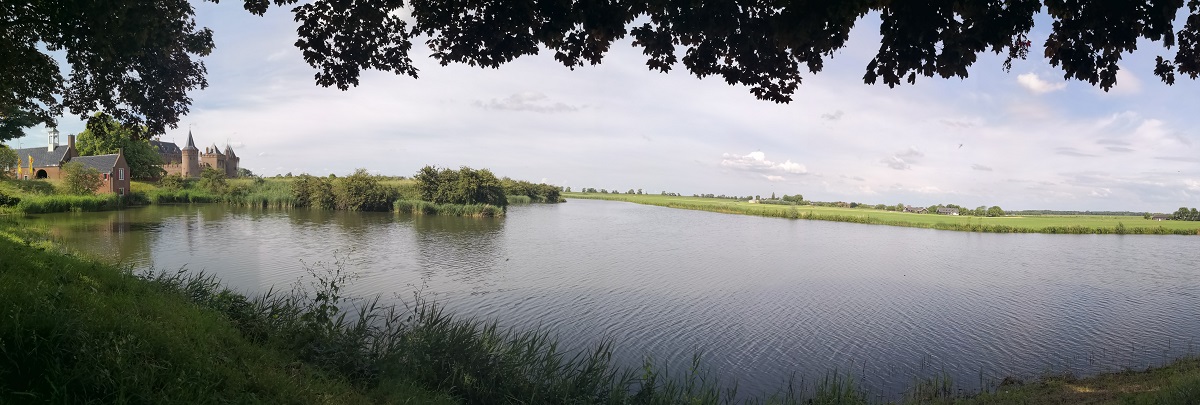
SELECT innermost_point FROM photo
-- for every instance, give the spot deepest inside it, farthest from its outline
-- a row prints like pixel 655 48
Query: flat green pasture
pixel 1039 223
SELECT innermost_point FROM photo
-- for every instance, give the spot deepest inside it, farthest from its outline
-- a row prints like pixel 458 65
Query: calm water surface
pixel 758 298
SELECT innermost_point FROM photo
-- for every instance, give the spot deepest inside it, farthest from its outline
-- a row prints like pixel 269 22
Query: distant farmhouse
pixel 918 210
pixel 47 163
pixel 188 162
pixel 947 211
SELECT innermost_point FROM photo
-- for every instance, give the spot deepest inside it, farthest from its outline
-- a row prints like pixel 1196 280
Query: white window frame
pixel 121 172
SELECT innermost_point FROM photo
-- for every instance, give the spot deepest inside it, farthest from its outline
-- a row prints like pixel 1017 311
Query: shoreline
pixel 1009 224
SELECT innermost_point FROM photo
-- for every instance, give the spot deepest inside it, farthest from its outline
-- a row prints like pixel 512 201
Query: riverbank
pixel 359 192
pixel 1053 224
pixel 135 325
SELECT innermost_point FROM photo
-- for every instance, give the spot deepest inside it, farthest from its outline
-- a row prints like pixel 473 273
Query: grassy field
pixel 1018 224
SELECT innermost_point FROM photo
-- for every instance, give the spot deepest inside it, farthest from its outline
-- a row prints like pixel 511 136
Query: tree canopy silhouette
pixel 138 59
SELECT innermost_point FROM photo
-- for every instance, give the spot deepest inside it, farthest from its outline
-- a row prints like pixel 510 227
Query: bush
pixel 465 186
pixel 172 182
pixel 362 192
pixel 7 200
pixel 80 180
pixel 213 180
pixel 313 192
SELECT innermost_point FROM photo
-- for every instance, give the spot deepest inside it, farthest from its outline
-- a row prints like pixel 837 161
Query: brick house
pixel 47 163
pixel 114 171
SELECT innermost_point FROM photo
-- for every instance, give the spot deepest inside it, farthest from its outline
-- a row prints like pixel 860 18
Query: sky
pixel 1023 139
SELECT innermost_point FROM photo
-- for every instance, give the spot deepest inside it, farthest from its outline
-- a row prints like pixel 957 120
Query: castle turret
pixel 231 162
pixel 190 164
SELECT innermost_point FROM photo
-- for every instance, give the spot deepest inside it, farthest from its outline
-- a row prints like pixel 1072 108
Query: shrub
pixel 213 180
pixel 313 192
pixel 362 192
pixel 172 182
pixel 7 200
pixel 462 186
pixel 80 180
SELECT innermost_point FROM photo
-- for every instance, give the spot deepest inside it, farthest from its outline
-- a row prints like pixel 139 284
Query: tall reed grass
pixel 519 199
pixel 164 196
pixel 418 207
pixel 42 204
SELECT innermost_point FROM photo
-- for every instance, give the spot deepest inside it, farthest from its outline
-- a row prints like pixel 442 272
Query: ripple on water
pixel 757 298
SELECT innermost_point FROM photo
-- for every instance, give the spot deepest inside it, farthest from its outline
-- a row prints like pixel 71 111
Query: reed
pixel 41 204
pixel 164 196
pixel 418 207
pixel 519 199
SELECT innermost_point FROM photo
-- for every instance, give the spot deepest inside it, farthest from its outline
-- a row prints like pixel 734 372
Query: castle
pixel 188 161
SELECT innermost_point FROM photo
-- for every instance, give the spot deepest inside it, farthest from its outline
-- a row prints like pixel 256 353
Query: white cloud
pixel 526 101
pixel 1035 84
pixel 774 178
pixel 1127 83
pixel 1192 185
pixel 834 116
pixel 903 160
pixel 757 162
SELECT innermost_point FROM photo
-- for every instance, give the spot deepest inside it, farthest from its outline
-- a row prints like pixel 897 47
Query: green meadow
pixel 1071 224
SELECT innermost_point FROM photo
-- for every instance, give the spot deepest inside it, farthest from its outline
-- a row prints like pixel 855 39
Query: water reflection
pixel 464 249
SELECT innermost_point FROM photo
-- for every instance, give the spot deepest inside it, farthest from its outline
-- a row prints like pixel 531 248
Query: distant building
pixel 947 211
pixel 47 163
pixel 915 210
pixel 1160 217
pixel 188 162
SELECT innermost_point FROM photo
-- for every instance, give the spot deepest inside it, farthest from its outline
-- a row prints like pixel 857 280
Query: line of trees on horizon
pixel 1186 214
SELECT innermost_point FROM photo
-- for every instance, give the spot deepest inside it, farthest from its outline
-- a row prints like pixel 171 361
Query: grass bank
pixel 1056 224
pixel 41 196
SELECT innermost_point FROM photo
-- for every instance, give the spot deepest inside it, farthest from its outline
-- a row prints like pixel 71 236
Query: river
pixel 759 299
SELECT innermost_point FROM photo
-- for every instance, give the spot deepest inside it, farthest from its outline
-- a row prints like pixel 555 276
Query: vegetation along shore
pixel 433 191
pixel 1055 224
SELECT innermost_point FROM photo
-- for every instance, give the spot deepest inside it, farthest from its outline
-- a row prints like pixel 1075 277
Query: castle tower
pixel 190 166
pixel 231 162
pixel 212 157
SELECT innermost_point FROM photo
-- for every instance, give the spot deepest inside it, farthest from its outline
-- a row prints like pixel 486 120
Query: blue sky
pixel 1023 139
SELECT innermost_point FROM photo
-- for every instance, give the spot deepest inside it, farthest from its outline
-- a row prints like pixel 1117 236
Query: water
pixel 759 299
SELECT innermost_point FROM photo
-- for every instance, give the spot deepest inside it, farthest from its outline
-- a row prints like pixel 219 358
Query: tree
pixel 995 211
pixel 244 172
pixel 80 179
pixel 8 160
pixel 13 121
pixel 135 59
pixel 1181 214
pixel 104 135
